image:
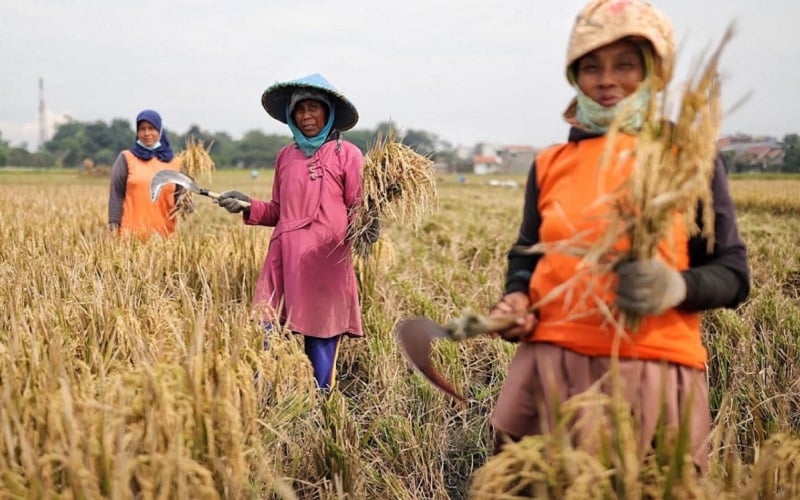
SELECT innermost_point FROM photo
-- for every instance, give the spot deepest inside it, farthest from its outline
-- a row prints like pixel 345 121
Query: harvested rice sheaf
pixel 398 183
pixel 674 165
pixel 195 162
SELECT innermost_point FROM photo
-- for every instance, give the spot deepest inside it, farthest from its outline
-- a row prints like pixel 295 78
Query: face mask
pixel 597 118
pixel 151 148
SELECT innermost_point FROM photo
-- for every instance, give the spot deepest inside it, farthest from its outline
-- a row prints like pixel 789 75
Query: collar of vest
pixel 577 134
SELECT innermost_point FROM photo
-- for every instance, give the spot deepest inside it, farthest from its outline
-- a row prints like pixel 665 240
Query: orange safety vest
pixel 141 216
pixel 571 187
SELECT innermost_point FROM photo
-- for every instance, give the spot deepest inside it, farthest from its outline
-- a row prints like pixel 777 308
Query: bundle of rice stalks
pixel 195 162
pixel 674 164
pixel 397 182
pixel 195 159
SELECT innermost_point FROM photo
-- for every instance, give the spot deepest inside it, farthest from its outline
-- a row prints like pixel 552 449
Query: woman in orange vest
pixel 130 210
pixel 564 351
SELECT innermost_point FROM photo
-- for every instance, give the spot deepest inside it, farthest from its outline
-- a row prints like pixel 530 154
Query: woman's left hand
pixel 649 287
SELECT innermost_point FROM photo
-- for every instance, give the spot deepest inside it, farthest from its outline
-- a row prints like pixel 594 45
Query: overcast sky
pixel 467 70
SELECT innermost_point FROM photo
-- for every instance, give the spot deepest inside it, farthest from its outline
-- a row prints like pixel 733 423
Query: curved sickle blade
pixel 163 177
pixel 416 337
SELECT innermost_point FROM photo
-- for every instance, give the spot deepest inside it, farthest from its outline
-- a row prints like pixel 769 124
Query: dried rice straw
pixel 398 183
pixel 195 162
pixel 673 169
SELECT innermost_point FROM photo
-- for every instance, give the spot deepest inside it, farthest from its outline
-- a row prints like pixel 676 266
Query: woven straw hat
pixel 277 96
pixel 605 21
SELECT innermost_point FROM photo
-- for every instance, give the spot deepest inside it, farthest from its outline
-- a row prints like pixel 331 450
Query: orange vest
pixel 141 216
pixel 572 187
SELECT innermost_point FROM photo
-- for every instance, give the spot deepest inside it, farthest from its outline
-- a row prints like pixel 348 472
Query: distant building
pixel 745 154
pixel 488 149
pixel 762 158
pixel 483 165
pixel 518 159
pixel 490 158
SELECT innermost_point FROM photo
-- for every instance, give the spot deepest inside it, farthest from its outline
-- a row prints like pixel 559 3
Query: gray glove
pixel 232 201
pixel 374 230
pixel 649 287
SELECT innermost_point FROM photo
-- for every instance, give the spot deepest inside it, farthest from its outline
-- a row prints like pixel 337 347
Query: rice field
pixel 136 370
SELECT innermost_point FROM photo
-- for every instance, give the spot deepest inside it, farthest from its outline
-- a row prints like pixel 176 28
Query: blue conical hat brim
pixel 276 98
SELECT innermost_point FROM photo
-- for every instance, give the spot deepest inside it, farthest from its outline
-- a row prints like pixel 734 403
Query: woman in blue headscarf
pixel 130 209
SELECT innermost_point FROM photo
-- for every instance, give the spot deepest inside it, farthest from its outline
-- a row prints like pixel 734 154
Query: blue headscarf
pixel 310 145
pixel 161 149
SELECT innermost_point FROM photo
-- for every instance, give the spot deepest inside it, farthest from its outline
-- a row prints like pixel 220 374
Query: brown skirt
pixel 543 376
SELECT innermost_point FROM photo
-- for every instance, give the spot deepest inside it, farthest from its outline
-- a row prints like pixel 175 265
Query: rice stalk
pixel 776 469
pixel 397 183
pixel 195 162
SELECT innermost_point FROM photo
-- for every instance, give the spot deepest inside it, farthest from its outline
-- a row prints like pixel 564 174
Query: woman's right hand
pixel 518 304
pixel 229 200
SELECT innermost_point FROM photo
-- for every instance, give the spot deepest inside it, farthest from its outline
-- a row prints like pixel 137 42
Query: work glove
pixel 231 201
pixel 374 230
pixel 648 287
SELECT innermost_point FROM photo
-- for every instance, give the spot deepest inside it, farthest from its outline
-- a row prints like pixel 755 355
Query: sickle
pixel 164 177
pixel 416 336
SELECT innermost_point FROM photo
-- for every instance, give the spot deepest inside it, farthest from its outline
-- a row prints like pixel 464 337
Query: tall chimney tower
pixel 42 116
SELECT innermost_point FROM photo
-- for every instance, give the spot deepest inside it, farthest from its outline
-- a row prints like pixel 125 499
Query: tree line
pixel 76 142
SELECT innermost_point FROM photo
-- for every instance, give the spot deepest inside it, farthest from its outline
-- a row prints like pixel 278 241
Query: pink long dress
pixel 309 268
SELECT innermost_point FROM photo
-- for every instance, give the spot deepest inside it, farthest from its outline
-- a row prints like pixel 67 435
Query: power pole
pixel 42 116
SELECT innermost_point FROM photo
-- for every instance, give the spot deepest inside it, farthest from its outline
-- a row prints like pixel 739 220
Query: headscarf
pixel 602 22
pixel 161 149
pixel 309 145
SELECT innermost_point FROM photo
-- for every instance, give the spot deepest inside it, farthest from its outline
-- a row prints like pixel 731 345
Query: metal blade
pixel 164 177
pixel 416 337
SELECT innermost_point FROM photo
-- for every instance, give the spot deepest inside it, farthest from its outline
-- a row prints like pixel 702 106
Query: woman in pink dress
pixel 308 276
